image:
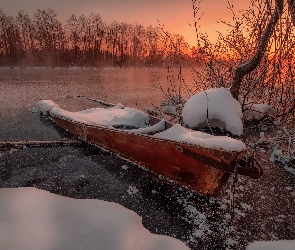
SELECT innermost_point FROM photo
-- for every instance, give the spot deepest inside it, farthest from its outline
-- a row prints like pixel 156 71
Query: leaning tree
pixel 245 68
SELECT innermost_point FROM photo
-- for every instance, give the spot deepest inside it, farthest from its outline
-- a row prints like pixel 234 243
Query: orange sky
pixel 175 15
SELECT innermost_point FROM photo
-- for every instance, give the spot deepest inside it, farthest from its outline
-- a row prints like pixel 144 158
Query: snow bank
pixel 179 133
pixel 221 106
pixel 35 219
pixel 272 245
pixel 99 116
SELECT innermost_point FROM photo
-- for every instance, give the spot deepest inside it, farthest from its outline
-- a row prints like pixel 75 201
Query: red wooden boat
pixel 203 169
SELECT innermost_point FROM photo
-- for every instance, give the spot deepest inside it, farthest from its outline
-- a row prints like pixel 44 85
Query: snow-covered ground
pixel 272 245
pixel 32 219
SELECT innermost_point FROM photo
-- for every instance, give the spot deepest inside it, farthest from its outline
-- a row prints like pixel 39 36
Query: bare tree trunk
pixel 291 4
pixel 248 67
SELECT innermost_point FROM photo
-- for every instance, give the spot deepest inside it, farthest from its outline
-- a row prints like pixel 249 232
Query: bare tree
pixel 26 29
pixel 48 33
pixel 248 67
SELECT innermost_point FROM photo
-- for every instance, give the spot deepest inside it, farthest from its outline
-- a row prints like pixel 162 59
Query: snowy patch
pixel 153 111
pixel 262 150
pixel 222 108
pixel 178 99
pixel 149 110
pixel 256 111
pixel 205 229
pixel 262 138
pixel 35 219
pixel 181 134
pixel 74 68
pixel 272 245
pixel 223 206
pixel 132 190
pixel 239 213
pixel 119 106
pixel 246 206
pixel 125 167
pixel 275 153
pixel 170 110
pixel 290 169
pixel 231 242
pixel 160 126
pixel 12 151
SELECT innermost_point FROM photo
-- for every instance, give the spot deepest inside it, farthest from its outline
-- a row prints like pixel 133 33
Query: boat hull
pixel 183 163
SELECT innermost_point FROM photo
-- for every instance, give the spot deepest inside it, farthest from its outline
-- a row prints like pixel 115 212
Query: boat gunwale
pixel 107 127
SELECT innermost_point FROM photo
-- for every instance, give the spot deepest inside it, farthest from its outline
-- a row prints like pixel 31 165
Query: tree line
pixel 42 40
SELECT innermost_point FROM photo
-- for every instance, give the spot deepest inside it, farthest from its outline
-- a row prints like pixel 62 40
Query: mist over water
pixel 133 87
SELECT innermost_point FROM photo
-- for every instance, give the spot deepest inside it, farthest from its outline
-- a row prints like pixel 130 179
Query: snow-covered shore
pixel 33 219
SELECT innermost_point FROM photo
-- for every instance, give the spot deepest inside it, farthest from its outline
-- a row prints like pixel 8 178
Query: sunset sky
pixel 175 15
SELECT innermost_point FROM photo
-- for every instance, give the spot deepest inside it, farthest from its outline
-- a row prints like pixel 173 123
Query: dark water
pixel 264 209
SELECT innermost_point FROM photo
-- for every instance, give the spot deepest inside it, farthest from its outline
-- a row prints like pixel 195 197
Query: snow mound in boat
pixel 160 126
pixel 99 116
pixel 224 111
pixel 181 134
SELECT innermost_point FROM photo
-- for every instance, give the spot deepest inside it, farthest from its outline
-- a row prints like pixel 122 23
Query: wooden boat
pixel 203 169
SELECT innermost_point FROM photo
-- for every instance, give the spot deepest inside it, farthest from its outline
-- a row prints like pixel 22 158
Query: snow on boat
pixel 194 159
